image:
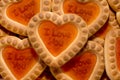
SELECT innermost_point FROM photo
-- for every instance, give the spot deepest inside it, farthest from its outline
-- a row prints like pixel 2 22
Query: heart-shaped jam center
pixel 57 37
pixel 81 66
pixel 118 52
pixel 23 10
pixel 19 62
pixel 88 11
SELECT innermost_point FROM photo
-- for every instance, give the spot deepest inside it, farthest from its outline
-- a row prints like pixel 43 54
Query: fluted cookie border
pixel 112 22
pixel 110 54
pixel 96 24
pixel 13 26
pixel 114 4
pixel 98 69
pixel 37 69
pixel 99 40
pixel 72 49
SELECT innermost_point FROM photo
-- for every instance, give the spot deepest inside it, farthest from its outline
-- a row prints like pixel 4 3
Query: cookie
pixel 112 45
pixel 15 14
pixel 87 65
pixel 18 60
pixel 94 12
pixel 57 37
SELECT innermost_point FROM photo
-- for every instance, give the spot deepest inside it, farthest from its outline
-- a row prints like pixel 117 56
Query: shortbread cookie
pixel 15 14
pixel 56 38
pixel 112 52
pixel 94 12
pixel 87 65
pixel 18 60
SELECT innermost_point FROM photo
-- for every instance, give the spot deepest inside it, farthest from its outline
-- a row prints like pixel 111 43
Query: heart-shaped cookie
pixel 110 24
pixel 87 65
pixel 18 60
pixel 112 54
pixel 94 12
pixel 57 38
pixel 15 14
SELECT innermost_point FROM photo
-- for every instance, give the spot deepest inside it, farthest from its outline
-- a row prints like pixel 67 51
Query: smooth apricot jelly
pixel 23 11
pixel 19 61
pixel 88 11
pixel 81 66
pixel 57 37
pixel 117 49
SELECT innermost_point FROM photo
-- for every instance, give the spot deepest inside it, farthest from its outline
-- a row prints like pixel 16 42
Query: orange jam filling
pixel 19 61
pixel 23 10
pixel 118 52
pixel 81 66
pixel 57 37
pixel 103 31
pixel 88 11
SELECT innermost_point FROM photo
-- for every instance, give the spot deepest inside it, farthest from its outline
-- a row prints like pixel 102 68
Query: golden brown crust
pixel 74 47
pixel 15 42
pixel 98 69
